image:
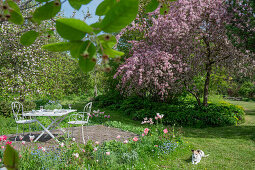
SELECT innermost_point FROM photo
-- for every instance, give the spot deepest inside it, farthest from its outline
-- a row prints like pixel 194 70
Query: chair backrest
pixel 87 109
pixel 17 109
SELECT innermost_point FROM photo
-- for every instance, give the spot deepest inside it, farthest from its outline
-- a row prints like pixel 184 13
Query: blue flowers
pixel 168 147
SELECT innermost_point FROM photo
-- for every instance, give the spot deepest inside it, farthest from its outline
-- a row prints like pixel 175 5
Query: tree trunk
pixel 95 91
pixel 207 83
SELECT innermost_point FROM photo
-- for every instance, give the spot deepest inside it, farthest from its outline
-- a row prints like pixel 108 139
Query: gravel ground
pixel 98 133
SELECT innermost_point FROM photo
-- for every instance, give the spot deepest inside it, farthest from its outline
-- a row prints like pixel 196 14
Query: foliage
pixel 165 60
pixel 29 72
pixel 6 109
pixel 108 155
pixel 52 105
pixel 241 26
pixel 180 113
pixel 116 15
pixel 247 90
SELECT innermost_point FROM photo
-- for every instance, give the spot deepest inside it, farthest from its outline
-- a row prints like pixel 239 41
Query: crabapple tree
pixel 187 42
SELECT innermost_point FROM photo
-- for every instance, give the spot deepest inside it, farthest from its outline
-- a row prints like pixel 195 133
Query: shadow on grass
pixel 231 132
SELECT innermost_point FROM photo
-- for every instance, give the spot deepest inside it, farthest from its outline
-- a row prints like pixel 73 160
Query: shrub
pixel 185 113
pixel 6 108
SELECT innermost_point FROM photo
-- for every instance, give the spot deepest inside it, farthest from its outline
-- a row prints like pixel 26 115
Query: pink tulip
pixel 146 130
pixel 135 139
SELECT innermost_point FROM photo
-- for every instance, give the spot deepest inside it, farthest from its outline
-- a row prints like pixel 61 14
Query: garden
pixel 146 85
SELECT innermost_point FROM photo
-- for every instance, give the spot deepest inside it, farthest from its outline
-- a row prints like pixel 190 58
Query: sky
pixel 68 10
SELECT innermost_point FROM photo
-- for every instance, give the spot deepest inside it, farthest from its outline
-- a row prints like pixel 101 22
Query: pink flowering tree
pixel 189 41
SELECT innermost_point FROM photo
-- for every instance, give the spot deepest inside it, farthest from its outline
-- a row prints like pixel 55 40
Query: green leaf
pixel 104 7
pixel 28 38
pixel 16 18
pixel 113 53
pixel 47 11
pixel 153 4
pixel 76 4
pixel 86 64
pixel 72 29
pixel 108 41
pixel 13 6
pixel 11 158
pixel 164 10
pixel 120 15
pixel 61 46
pixel 96 27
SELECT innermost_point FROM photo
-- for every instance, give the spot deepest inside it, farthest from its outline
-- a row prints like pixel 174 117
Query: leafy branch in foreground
pixel 83 41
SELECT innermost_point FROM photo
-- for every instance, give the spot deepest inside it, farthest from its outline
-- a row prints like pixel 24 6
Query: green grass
pixel 231 147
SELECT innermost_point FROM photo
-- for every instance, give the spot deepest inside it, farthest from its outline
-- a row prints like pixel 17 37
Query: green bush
pixel 247 90
pixel 181 113
pixel 6 108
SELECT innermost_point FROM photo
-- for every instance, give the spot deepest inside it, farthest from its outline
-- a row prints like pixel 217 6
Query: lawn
pixel 231 147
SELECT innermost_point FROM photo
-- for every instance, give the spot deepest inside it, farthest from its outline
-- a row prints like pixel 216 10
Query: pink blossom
pixel 95 149
pixel 107 153
pixel 3 137
pixel 83 150
pixel 2 147
pixel 31 138
pixel 109 116
pixel 43 149
pixel 62 145
pixel 146 130
pixel 155 145
pixel 96 142
pixel 118 137
pixel 165 131
pixel 8 143
pixel 20 156
pixel 125 141
pixel 20 137
pixel 142 134
pixel 23 142
pixel 135 139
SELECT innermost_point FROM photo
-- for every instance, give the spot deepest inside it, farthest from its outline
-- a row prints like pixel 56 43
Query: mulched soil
pixel 98 133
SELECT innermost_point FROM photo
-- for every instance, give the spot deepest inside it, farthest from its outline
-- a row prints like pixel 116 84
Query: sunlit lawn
pixel 229 147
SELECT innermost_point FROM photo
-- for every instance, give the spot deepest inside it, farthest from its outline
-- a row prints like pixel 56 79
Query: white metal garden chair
pixel 81 118
pixel 17 109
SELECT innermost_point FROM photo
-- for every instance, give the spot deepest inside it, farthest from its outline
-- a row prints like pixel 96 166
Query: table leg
pixel 46 129
pixel 57 123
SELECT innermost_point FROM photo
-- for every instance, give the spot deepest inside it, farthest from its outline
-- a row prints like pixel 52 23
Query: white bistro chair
pixel 81 118
pixel 17 109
